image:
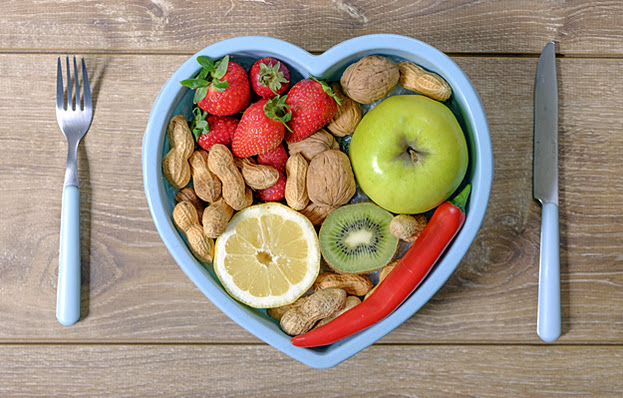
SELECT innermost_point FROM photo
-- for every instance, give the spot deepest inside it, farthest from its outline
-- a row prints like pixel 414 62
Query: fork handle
pixel 68 290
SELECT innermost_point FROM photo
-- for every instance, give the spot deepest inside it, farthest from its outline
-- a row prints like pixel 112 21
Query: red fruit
pixel 276 158
pixel 221 88
pixel 221 130
pixel 261 128
pixel 269 77
pixel 275 192
pixel 313 104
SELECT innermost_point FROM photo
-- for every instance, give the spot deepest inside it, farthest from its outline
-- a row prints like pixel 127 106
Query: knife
pixel 545 190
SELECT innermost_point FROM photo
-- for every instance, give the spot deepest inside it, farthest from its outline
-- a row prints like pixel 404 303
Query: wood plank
pixel 205 370
pixel 580 27
pixel 136 293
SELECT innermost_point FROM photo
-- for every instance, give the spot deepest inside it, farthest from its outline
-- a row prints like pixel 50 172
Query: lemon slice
pixel 268 256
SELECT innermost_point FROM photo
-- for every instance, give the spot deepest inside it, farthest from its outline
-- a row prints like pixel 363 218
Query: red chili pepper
pixel 401 282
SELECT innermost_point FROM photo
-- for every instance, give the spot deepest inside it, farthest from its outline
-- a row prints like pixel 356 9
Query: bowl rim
pixel 319 65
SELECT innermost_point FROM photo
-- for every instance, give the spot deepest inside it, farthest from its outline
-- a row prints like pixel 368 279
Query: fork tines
pixel 69 101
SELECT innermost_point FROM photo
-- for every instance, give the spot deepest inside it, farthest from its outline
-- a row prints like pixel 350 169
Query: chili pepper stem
pixel 460 200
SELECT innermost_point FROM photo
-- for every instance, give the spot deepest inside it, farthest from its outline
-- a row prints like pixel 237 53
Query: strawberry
pixel 269 77
pixel 221 88
pixel 218 130
pixel 261 128
pixel 276 158
pixel 313 105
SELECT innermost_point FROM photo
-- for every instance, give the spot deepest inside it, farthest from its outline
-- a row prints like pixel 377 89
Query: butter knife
pixel 545 190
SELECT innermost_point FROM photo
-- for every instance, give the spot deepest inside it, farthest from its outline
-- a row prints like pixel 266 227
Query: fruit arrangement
pixel 269 198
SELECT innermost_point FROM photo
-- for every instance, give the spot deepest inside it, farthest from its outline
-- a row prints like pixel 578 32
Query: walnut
pixel 330 179
pixel 347 116
pixel 316 213
pixel 371 78
pixel 311 146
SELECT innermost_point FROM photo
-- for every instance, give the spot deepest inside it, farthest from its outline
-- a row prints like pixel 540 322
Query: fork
pixel 74 118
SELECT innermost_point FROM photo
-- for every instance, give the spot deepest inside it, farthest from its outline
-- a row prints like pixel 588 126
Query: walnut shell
pixel 330 179
pixel 316 213
pixel 371 78
pixel 311 146
pixel 347 116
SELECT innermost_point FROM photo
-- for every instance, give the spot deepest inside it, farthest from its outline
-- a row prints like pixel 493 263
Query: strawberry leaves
pixel 278 110
pixel 270 76
pixel 210 75
pixel 199 125
pixel 327 89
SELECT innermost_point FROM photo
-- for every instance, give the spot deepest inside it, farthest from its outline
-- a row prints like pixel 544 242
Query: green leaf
pixel 199 125
pixel 221 68
pixel 195 83
pixel 460 200
pixel 219 85
pixel 203 74
pixel 328 90
pixel 271 77
pixel 200 94
pixel 206 62
pixel 277 109
pixel 200 128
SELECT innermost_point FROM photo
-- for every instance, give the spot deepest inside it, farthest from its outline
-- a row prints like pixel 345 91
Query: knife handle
pixel 548 317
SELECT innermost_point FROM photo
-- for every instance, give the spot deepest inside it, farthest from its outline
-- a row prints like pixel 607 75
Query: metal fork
pixel 74 118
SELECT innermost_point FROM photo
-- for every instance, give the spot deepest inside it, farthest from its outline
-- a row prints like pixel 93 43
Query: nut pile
pixel 255 138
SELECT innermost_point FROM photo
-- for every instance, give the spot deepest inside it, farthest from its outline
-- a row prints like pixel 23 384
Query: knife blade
pixel 545 190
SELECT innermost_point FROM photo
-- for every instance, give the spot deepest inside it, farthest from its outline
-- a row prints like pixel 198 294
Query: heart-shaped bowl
pixel 175 99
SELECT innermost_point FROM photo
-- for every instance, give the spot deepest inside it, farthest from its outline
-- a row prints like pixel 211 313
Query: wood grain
pixel 148 331
pixel 135 292
pixel 397 371
pixel 176 26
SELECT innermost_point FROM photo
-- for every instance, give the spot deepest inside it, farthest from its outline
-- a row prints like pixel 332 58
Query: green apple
pixel 409 154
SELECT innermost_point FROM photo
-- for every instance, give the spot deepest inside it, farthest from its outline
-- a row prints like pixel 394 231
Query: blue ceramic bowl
pixel 174 99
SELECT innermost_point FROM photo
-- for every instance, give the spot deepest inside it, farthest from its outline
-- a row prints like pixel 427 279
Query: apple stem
pixel 413 154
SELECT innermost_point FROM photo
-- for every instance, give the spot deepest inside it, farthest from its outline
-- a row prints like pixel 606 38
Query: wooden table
pixel 148 331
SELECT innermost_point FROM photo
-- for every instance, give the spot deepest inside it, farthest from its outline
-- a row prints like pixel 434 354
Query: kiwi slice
pixel 355 238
